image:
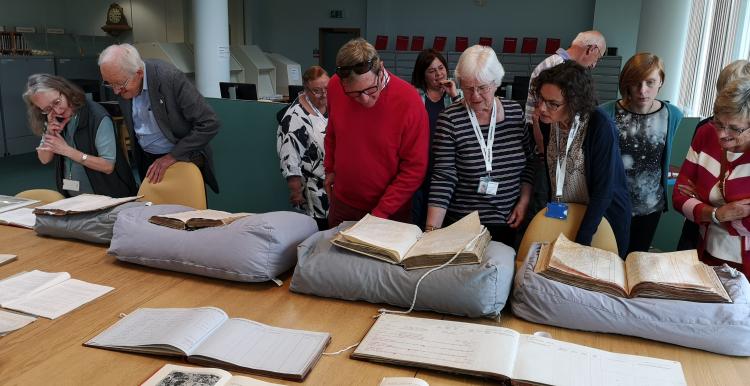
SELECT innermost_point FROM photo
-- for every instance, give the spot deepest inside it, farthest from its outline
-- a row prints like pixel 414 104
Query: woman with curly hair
pixel 583 155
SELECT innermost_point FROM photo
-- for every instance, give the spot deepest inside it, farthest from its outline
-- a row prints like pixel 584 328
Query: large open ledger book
pixel 503 354
pixel 9 203
pixel 206 335
pixel 671 275
pixel 81 204
pixel 174 375
pixel 400 243
pixel 47 294
pixel 10 321
pixel 21 217
pixel 196 219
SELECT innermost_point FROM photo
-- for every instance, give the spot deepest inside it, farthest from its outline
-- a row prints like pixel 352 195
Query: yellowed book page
pixel 207 214
pixel 588 262
pixel 84 203
pixel 680 267
pixel 386 234
pixel 452 238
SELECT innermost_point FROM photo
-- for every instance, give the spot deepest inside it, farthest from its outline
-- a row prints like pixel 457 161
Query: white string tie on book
pixel 278 282
pixel 342 350
pixel 122 314
pixel 416 288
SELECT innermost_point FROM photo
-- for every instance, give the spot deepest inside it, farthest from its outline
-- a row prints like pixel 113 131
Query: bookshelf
pixel 13 43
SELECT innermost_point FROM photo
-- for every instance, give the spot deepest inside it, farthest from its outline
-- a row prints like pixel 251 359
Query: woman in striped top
pixel 482 153
pixel 713 187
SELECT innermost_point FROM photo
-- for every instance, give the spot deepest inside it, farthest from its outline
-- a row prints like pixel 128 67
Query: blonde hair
pixel 737 69
pixel 357 51
pixel 734 100
pixel 480 63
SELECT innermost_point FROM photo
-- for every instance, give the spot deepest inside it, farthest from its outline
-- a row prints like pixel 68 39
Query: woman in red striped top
pixel 713 188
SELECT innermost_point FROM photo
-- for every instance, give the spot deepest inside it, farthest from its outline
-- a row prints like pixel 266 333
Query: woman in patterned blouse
pixel 299 142
pixel 647 128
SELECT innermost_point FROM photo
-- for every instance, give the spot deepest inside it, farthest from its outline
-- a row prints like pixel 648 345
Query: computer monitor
pixel 231 90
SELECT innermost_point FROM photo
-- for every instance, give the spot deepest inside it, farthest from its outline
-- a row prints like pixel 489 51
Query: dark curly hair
pixel 425 58
pixel 576 85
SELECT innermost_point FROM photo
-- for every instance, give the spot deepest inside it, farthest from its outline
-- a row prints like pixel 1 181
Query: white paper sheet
pixel 10 321
pixel 9 203
pixel 59 299
pixel 23 217
pixel 27 283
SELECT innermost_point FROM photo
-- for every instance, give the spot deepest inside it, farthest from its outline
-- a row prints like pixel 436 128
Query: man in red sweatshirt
pixel 376 140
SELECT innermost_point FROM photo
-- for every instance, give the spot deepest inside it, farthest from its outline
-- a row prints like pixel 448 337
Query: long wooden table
pixel 50 352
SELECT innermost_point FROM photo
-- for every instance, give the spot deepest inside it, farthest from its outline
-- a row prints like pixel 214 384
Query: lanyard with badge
pixel 558 209
pixel 486 185
pixel 317 112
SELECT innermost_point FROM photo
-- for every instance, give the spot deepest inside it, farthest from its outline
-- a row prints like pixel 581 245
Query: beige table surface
pixel 50 352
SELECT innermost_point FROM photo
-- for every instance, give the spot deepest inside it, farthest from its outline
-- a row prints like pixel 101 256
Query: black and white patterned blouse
pixel 299 142
pixel 458 164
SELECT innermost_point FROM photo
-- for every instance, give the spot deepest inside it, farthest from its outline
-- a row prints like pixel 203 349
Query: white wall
pixel 619 22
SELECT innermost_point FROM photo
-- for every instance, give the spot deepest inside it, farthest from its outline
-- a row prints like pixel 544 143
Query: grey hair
pixel 737 69
pixel 590 38
pixel 480 62
pixel 38 83
pixel 734 100
pixel 124 55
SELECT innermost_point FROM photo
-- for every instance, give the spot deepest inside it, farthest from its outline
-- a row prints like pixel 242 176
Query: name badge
pixel 558 210
pixel 487 186
pixel 71 185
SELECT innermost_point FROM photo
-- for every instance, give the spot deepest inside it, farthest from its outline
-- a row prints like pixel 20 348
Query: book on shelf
pixel 176 375
pixel 207 336
pixel 405 244
pixel 21 217
pixel 196 219
pixel 669 275
pixel 504 354
pixel 7 258
pixel 10 203
pixel 10 322
pixel 81 204
pixel 47 294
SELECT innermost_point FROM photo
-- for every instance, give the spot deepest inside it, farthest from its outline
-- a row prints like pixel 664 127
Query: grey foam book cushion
pixel 94 227
pixel 252 249
pixel 467 290
pixel 722 328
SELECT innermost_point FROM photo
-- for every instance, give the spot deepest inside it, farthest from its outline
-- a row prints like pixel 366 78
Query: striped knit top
pixel 458 164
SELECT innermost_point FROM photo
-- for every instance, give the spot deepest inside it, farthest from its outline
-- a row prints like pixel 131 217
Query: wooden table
pixel 51 351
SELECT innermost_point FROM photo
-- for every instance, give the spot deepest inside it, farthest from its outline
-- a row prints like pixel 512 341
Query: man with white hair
pixel 586 49
pixel 166 115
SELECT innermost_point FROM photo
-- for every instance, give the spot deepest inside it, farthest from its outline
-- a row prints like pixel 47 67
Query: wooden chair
pixel 182 184
pixel 44 196
pixel 545 229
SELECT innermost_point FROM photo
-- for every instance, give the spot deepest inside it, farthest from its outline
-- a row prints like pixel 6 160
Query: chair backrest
pixel 182 184
pixel 44 196
pixel 545 229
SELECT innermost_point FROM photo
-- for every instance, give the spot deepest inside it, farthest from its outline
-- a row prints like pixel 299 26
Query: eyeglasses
pixel 118 87
pixel 359 68
pixel 483 89
pixel 551 105
pixel 368 91
pixel 734 130
pixel 601 53
pixel 54 105
pixel 318 92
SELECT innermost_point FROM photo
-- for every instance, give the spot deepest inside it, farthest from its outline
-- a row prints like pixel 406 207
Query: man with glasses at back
pixel 376 141
pixel 163 111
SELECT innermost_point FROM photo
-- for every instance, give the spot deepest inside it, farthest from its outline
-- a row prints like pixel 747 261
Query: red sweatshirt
pixel 378 154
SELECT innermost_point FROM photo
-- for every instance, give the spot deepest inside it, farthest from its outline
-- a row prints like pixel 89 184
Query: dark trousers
pixel 499 232
pixel 340 212
pixel 688 237
pixel 146 160
pixel 642 229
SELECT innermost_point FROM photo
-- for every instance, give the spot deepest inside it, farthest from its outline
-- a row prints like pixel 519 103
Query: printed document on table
pixel 58 300
pixel 27 283
pixel 10 321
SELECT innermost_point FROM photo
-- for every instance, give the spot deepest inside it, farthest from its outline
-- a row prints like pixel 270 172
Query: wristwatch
pixel 84 157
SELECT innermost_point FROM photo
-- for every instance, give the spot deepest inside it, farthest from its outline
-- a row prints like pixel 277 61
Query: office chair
pixel 182 184
pixel 44 196
pixel 545 229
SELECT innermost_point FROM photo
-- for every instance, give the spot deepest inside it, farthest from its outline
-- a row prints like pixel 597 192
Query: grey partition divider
pixel 514 65
pixel 389 59
pixel 405 64
pixel 14 71
pixel 606 76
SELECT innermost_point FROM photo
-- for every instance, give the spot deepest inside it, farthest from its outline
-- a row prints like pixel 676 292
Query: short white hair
pixel 480 63
pixel 589 38
pixel 124 55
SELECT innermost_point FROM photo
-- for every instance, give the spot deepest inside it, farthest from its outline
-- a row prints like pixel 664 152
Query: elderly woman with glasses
pixel 78 136
pixel 717 167
pixel 482 153
pixel 647 128
pixel 300 145
pixel 583 156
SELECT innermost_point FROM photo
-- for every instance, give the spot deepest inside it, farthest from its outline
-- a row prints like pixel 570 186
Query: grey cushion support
pixel 252 249
pixel 718 327
pixel 95 227
pixel 467 290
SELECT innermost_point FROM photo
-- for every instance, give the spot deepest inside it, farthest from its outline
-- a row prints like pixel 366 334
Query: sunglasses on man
pixel 359 68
